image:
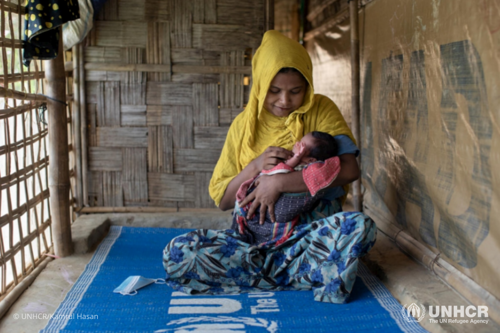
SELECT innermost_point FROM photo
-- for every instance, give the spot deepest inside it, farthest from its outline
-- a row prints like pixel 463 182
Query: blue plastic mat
pixel 91 305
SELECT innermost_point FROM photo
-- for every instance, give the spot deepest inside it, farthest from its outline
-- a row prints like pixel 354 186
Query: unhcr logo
pixel 413 312
pixel 457 314
pixel 446 314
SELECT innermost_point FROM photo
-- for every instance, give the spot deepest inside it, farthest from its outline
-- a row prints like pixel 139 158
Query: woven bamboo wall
pixel 164 80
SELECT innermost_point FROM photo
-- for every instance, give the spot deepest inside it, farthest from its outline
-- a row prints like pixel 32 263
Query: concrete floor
pixel 408 281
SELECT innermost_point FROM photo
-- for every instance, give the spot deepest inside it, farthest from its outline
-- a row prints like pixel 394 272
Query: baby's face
pixel 308 141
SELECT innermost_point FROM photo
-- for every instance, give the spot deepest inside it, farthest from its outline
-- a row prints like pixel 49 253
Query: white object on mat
pixel 135 282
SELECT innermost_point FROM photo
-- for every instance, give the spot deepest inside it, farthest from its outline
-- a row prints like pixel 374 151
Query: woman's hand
pixel 267 160
pixel 271 157
pixel 265 195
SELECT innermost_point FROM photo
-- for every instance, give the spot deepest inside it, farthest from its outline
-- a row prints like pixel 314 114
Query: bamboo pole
pixel 357 196
pixel 269 15
pixel 19 289
pixel 132 209
pixel 83 124
pixel 296 18
pixel 76 127
pixel 121 67
pixel 176 69
pixel 16 77
pixel 9 93
pixel 319 8
pixel 59 185
pixel 11 112
pixel 11 43
pixel 330 23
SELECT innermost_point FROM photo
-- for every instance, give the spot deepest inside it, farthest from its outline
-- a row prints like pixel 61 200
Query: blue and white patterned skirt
pixel 322 255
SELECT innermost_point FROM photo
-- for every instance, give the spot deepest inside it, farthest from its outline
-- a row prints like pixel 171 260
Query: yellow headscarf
pixel 255 128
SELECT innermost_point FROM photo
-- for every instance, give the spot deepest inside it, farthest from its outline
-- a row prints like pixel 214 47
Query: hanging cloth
pixel 41 33
pixel 75 31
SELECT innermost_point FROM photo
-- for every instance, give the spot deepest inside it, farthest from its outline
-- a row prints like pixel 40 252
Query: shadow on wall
pixel 388 168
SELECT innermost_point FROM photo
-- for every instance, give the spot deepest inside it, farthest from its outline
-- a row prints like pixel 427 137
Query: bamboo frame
pixel 328 25
pixel 269 14
pixel 319 8
pixel 76 118
pixel 59 184
pixel 83 124
pixel 176 69
pixel 357 199
pixel 10 93
pixel 26 76
pixel 102 210
pixel 12 43
pixel 5 113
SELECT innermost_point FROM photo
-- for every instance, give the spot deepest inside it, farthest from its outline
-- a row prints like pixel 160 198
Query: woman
pixel 323 252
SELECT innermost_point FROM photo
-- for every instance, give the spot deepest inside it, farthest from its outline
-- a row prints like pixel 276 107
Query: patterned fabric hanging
pixel 41 33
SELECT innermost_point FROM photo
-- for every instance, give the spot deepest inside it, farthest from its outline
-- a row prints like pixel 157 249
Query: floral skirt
pixel 321 255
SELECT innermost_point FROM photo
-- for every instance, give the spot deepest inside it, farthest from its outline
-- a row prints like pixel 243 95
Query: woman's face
pixel 286 94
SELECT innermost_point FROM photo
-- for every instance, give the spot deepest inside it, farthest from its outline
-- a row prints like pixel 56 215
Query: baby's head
pixel 319 146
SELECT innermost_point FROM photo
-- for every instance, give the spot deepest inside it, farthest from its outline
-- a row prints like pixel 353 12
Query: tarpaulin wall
pixel 430 122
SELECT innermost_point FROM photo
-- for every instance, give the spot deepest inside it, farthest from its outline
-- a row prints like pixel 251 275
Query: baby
pixel 309 153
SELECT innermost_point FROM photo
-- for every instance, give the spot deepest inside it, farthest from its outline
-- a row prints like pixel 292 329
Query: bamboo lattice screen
pixel 25 220
pixel 164 80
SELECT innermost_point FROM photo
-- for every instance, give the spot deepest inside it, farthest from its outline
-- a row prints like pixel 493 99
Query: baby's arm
pixel 296 158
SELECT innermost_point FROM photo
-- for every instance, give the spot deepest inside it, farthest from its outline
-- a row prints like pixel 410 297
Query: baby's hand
pixel 302 148
pixel 300 151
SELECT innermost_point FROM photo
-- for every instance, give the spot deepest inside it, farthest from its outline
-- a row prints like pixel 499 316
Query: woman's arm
pixel 229 197
pixel 268 189
pixel 349 172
